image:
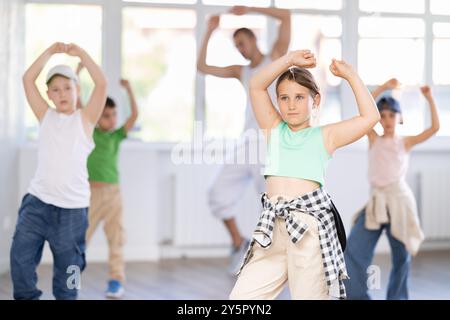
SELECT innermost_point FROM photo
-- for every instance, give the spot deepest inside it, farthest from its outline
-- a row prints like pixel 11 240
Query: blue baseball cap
pixel 389 103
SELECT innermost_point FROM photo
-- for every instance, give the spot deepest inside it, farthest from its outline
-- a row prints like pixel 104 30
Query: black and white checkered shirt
pixel 317 204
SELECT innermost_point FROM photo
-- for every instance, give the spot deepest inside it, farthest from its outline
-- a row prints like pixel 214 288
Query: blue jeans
pixel 358 257
pixel 64 229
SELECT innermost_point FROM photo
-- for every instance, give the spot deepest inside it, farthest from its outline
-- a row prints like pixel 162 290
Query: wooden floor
pixel 207 279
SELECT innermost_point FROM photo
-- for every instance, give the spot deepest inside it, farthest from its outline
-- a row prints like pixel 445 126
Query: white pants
pixel 230 183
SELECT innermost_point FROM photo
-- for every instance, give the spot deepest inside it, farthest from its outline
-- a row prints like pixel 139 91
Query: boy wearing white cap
pixel 56 205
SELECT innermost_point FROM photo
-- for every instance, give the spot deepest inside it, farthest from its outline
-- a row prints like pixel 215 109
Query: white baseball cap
pixel 62 70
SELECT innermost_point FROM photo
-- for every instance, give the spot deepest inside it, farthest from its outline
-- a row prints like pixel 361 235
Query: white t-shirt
pixel 61 177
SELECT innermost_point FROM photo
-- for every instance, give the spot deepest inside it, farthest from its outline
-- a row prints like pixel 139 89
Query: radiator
pixel 194 225
pixel 435 204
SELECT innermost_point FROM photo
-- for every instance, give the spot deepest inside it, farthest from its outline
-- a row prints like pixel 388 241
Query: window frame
pixel 349 14
pixel 429 19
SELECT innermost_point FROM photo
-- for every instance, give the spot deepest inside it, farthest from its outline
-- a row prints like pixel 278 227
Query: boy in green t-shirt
pixel 106 200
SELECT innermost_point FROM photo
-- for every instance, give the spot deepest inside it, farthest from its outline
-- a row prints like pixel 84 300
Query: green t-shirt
pixel 102 162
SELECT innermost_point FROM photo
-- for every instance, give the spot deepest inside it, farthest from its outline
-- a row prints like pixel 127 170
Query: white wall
pixel 8 198
pixel 139 174
pixel 11 56
pixel 148 184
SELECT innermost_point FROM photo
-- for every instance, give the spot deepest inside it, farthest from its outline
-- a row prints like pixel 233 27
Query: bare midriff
pixel 289 188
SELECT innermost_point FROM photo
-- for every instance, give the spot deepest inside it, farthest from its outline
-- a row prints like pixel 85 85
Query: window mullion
pixel 200 83
pixel 112 49
pixel 350 40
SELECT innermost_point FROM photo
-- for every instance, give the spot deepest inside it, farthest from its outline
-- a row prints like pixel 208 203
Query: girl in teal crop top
pixel 296 150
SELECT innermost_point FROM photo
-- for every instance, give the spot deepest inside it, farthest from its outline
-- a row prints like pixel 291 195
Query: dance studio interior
pixel 165 207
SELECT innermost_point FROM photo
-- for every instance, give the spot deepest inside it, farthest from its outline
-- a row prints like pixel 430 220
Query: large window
pixel 226 98
pixel 165 1
pixel 322 35
pixel 441 74
pixel 391 47
pixel 310 4
pixel 441 48
pixel 397 6
pixel 441 7
pixel 158 56
pixel 50 23
pixel 395 47
pixel 260 3
pixel 442 97
pixel 159 41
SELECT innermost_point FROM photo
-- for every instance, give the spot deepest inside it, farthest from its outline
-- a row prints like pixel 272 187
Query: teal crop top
pixel 300 154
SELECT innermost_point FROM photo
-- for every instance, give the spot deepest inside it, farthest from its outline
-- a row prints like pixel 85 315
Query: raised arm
pixel 283 40
pixel 266 114
pixel 388 85
pixel 129 124
pixel 223 72
pixel 80 67
pixel 34 98
pixel 94 108
pixel 411 141
pixel 345 132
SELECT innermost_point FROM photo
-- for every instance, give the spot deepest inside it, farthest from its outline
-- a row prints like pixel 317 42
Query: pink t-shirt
pixel 388 161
